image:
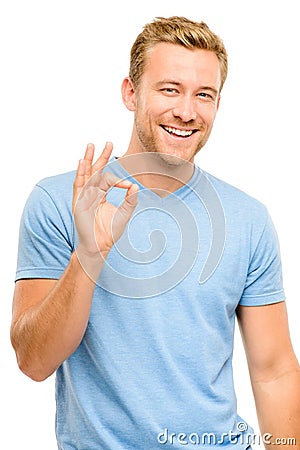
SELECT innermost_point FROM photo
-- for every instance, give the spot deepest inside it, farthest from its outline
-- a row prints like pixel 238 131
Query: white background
pixel 62 63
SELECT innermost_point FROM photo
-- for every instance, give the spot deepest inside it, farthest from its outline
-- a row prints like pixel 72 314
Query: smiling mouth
pixel 177 132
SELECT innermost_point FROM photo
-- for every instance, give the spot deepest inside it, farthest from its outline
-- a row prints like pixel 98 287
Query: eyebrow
pixel 167 81
pixel 177 83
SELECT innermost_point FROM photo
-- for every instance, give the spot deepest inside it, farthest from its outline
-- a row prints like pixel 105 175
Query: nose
pixel 185 109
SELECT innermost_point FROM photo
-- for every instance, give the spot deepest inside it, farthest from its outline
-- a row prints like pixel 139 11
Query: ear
pixel 128 94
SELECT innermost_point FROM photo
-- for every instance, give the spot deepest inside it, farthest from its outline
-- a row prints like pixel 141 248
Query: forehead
pixel 171 61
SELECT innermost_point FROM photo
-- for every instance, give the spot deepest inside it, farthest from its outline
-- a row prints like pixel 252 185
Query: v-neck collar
pixel 181 192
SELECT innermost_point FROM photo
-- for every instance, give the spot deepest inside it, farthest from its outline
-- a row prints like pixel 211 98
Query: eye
pixel 207 96
pixel 169 90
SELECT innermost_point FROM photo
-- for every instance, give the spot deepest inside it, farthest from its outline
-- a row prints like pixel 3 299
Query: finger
pixel 108 180
pixel 88 157
pixel 103 158
pixel 80 175
pixel 89 152
pixel 79 181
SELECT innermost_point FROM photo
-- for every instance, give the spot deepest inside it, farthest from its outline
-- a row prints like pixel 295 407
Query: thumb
pixel 130 201
pixel 124 212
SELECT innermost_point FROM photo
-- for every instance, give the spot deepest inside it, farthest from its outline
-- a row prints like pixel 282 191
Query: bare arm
pixel 49 319
pixel 274 371
pixel 50 316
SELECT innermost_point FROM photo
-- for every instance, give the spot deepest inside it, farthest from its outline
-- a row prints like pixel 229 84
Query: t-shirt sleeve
pixel 45 239
pixel 264 279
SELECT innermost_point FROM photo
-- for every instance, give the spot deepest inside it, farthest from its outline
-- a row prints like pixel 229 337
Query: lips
pixel 178 132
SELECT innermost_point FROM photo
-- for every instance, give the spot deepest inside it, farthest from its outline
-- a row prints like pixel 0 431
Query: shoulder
pixel 57 189
pixel 237 202
pixel 51 197
pixel 58 185
pixel 46 237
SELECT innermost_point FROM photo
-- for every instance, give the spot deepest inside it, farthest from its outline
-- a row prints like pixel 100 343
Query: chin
pixel 176 157
pixel 172 159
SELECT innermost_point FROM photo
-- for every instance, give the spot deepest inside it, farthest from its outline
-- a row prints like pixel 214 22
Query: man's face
pixel 176 102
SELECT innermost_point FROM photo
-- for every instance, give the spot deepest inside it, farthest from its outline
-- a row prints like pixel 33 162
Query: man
pixel 134 307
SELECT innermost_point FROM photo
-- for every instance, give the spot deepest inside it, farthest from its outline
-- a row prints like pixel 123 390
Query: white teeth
pixel 179 132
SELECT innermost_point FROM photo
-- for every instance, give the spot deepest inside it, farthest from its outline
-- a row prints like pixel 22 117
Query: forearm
pixel 278 409
pixel 49 331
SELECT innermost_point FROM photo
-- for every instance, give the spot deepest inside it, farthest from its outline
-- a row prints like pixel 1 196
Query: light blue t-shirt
pixel 154 368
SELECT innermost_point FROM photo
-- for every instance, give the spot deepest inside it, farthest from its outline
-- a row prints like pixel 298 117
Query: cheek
pixel 147 113
pixel 158 105
pixel 207 114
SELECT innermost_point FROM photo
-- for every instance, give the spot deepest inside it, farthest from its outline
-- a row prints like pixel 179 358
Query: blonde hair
pixel 175 30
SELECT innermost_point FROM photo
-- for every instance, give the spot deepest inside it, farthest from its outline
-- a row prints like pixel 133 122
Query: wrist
pixel 90 262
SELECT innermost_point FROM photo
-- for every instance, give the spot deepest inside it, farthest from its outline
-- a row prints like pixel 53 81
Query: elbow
pixel 32 369
pixel 33 372
pixel 279 369
pixel 30 365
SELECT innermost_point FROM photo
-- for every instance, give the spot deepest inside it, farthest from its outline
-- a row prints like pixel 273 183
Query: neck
pixel 161 173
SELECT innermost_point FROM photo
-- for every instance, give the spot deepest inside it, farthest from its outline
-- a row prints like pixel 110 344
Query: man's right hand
pixel 99 224
pixel 50 316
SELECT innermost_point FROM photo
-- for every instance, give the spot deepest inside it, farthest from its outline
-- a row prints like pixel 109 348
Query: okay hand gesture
pixel 99 224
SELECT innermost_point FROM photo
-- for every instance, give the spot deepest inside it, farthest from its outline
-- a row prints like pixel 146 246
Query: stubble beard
pixel 150 144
